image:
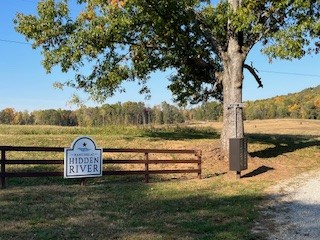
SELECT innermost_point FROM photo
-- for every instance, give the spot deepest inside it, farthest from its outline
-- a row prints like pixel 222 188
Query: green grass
pixel 125 210
pixel 57 130
pixel 115 207
pixel 180 133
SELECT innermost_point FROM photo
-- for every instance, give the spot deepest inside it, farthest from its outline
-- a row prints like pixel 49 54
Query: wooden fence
pixel 146 161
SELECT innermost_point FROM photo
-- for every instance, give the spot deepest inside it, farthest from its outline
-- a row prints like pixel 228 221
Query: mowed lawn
pixel 169 207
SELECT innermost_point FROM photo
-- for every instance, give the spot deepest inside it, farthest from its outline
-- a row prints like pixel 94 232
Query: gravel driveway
pixel 293 210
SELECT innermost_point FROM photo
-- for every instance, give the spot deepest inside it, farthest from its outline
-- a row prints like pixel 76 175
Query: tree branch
pixel 207 33
pixel 253 71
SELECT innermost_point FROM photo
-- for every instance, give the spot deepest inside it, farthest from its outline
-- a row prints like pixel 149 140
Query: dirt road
pixel 293 210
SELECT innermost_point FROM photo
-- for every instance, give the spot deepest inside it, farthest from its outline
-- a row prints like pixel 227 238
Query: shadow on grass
pixel 106 178
pixel 281 144
pixel 57 180
pixel 258 171
pixel 180 133
pixel 125 211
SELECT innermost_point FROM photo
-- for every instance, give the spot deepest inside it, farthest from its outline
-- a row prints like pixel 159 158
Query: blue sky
pixel 24 84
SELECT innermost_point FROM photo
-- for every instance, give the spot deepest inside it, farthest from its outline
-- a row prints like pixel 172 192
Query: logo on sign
pixel 83 159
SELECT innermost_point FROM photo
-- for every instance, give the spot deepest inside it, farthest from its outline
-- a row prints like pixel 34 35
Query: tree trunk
pixel 233 61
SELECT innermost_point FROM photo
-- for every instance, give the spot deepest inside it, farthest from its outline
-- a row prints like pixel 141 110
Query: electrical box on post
pixel 238 156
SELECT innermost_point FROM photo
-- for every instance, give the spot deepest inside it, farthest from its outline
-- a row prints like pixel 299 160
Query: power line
pixel 12 41
pixel 30 1
pixel 275 72
pixel 291 73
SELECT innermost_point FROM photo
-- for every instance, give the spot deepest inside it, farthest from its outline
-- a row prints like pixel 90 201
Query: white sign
pixel 83 159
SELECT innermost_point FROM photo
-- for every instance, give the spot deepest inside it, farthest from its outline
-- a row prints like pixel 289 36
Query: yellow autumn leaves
pixel 119 3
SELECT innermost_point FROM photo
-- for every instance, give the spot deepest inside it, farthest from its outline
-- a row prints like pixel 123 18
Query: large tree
pixel 206 42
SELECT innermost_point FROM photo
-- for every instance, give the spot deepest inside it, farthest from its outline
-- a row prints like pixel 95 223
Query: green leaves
pixel 295 25
pixel 127 40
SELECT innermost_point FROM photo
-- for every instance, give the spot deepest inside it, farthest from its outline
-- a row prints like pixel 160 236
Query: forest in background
pixel 304 105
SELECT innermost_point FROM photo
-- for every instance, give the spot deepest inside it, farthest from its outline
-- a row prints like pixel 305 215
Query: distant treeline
pixel 128 113
pixel 305 105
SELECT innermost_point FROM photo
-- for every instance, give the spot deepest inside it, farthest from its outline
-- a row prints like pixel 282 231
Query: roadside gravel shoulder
pixel 292 211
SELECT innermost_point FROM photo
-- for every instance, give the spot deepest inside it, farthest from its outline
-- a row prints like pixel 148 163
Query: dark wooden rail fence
pixel 4 161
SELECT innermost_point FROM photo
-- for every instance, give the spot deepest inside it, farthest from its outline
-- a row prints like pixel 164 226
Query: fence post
pixel 3 168
pixel 146 167
pixel 199 155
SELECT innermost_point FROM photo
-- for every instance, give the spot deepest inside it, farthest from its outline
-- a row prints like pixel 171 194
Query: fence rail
pixel 4 161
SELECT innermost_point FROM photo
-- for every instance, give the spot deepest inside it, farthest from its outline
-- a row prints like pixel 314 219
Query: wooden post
pixel 3 168
pixel 199 155
pixel 83 182
pixel 146 167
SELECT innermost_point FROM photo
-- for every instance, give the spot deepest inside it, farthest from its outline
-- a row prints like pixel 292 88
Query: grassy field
pixel 170 207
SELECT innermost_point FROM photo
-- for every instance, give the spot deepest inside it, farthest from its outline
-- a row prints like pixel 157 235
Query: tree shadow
pixel 180 133
pixel 282 144
pixel 124 211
